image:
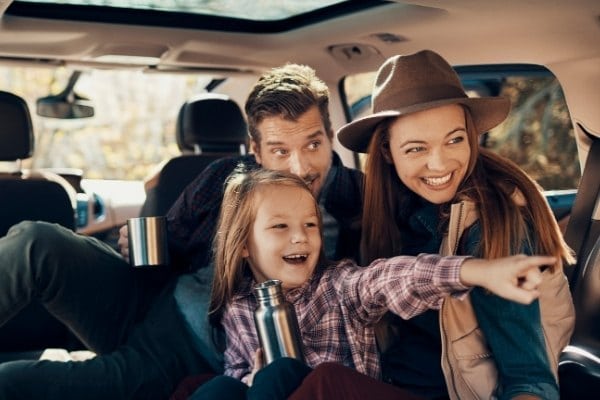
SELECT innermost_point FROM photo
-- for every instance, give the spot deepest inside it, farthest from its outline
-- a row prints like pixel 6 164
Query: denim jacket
pixel 482 340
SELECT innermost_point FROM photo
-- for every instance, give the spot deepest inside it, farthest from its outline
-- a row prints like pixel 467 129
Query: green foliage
pixel 538 135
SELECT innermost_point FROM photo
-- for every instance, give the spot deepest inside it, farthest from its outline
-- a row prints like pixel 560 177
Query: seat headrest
pixel 16 134
pixel 212 121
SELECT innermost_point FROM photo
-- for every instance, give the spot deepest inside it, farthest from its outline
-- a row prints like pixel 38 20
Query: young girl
pixel 429 187
pixel 270 228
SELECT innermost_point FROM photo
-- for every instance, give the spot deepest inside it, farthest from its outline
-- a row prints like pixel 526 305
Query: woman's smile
pixel 436 182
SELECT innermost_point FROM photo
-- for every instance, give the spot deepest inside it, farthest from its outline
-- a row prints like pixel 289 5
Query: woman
pixel 430 188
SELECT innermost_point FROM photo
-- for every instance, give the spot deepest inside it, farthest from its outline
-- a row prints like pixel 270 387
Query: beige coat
pixel 468 366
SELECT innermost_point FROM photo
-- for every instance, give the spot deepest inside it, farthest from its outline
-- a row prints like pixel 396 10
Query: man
pixel 149 328
pixel 289 129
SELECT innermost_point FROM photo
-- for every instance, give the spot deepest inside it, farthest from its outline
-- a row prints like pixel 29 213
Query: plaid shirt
pixel 338 307
pixel 193 218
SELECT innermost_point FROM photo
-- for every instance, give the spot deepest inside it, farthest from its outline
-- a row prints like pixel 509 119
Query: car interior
pixel 111 108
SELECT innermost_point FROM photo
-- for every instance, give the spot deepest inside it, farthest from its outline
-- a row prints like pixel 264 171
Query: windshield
pixel 133 127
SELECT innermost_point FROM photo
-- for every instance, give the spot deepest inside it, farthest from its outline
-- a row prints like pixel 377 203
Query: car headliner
pixel 563 36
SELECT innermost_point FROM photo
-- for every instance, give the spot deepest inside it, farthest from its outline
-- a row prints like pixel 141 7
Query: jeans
pixel 127 316
pixel 192 295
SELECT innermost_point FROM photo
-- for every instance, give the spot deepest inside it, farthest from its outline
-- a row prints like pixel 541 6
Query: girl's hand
pixel 515 278
pixel 258 364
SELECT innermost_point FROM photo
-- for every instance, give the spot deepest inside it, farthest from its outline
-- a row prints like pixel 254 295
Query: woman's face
pixel 285 240
pixel 430 150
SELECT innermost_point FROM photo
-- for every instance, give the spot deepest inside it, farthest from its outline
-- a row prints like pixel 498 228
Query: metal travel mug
pixel 148 241
pixel 276 323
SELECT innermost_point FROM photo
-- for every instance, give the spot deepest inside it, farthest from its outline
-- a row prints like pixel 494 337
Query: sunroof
pixel 256 10
pixel 255 16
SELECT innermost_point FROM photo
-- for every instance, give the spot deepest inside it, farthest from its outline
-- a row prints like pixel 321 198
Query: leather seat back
pixel 209 126
pixel 27 194
pixel 579 365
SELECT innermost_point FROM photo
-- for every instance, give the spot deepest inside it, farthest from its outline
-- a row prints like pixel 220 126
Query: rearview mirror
pixel 67 104
pixel 64 108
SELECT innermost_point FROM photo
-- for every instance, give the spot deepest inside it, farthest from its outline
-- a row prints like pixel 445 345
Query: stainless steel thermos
pixel 276 323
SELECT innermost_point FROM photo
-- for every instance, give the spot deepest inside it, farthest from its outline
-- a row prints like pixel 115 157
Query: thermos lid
pixel 268 289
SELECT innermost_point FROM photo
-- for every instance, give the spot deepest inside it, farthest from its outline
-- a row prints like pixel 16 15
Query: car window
pixel 131 131
pixel 537 135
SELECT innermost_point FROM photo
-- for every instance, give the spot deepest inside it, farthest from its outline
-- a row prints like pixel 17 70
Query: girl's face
pixel 430 150
pixel 285 241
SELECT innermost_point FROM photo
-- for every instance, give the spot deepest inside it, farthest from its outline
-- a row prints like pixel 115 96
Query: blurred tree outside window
pixel 538 134
pixel 133 128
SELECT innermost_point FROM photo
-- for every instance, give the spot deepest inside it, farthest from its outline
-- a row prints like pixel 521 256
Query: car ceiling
pixel 561 35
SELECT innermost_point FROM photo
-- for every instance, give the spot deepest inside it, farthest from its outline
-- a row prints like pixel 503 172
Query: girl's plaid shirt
pixel 339 306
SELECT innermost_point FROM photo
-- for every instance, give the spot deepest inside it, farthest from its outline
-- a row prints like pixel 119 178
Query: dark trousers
pixel 127 316
pixel 275 381
pixel 332 381
pixel 287 378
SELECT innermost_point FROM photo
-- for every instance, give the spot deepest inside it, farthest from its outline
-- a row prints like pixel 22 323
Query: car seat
pixel 579 364
pixel 209 126
pixel 29 195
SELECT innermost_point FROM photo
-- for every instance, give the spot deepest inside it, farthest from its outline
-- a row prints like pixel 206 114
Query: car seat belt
pixel 583 206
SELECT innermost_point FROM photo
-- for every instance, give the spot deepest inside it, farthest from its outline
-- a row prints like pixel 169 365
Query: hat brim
pixel 487 112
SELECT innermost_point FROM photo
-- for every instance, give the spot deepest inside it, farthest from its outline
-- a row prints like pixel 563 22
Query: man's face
pixel 301 147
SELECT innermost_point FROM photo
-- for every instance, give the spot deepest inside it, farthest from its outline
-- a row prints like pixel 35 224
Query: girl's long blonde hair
pixel 491 183
pixel 238 212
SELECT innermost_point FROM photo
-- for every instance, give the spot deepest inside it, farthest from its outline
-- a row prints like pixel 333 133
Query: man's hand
pixel 123 242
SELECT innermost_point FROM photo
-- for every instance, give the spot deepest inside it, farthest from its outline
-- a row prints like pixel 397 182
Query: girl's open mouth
pixel 295 258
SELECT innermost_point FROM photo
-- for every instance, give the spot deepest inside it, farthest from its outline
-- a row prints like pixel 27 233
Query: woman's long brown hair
pixel 492 183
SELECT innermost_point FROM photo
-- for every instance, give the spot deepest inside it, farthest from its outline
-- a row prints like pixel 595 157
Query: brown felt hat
pixel 416 82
